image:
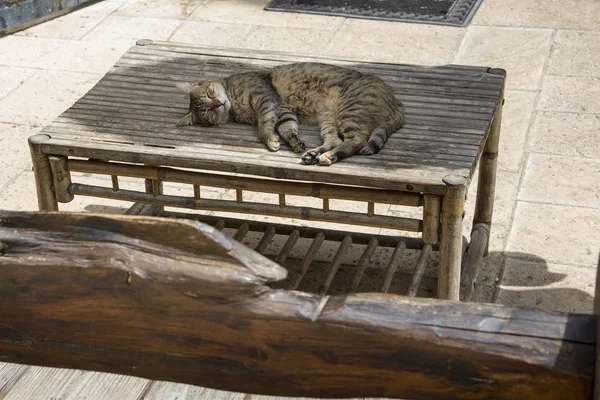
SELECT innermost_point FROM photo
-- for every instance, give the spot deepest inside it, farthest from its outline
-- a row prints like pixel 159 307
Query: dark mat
pixel 439 12
pixel 20 14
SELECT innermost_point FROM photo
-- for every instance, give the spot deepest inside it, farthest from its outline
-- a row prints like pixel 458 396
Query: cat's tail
pixel 380 135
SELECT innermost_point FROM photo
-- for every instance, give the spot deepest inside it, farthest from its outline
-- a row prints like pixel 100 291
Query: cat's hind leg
pixel 267 111
pixel 331 139
pixel 353 142
pixel 287 126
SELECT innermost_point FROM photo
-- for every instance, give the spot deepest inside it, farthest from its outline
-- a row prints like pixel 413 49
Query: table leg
pixel 484 205
pixel 453 205
pixel 155 187
pixel 43 174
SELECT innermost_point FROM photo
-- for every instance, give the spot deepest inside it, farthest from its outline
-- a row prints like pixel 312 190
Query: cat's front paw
pixel 310 157
pixel 273 143
pixel 327 158
pixel 297 145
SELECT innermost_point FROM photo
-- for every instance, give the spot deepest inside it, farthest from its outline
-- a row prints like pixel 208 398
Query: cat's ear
pixel 186 121
pixel 185 87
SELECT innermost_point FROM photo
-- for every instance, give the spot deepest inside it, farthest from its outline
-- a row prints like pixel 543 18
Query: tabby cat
pixel 356 112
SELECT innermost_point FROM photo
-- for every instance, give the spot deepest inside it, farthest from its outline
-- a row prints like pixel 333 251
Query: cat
pixel 356 112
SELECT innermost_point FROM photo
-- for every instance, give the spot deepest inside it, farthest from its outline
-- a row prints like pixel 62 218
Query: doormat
pixel 21 14
pixel 438 12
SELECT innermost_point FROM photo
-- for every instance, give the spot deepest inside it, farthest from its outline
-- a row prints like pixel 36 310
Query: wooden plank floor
pixel 131 115
pixel 22 382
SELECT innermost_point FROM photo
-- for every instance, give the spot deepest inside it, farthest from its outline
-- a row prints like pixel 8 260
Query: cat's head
pixel 209 104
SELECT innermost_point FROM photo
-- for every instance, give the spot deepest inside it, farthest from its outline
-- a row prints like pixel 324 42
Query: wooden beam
pixel 180 301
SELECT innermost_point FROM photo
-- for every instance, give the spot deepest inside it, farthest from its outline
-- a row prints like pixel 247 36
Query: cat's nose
pixel 216 103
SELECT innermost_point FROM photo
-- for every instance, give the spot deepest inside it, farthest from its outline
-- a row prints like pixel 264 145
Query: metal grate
pixel 440 12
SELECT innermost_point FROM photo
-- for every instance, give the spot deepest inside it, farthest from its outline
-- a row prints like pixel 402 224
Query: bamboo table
pixel 125 126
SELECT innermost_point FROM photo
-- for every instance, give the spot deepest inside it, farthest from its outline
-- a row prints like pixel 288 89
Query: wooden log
pixel 43 174
pixel 453 206
pixel 471 260
pixel 179 301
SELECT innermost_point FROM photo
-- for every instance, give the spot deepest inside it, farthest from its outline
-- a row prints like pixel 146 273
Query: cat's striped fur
pixel 356 113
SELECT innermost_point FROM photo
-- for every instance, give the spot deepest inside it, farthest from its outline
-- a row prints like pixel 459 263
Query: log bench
pixel 179 300
pixel 125 128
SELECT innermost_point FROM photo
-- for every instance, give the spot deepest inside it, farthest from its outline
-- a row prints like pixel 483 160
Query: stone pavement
pixel 546 232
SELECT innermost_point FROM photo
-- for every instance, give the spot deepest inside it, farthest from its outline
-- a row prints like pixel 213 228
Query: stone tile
pixel 395 42
pixel 558 234
pixel 566 133
pixel 127 30
pixel 521 52
pixel 19 193
pixel 561 180
pixel 165 9
pixel 15 150
pixel 12 77
pixel 73 25
pixel 572 14
pixel 42 98
pixel 516 116
pixel 55 54
pixel 252 12
pixel 570 94
pixel 549 287
pixel 294 40
pixel 211 34
pixel 575 53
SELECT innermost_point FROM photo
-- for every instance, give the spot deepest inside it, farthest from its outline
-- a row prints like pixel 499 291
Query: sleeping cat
pixel 356 113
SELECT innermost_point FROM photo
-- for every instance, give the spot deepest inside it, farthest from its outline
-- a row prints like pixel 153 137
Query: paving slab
pixel 73 25
pixel 15 150
pixel 127 30
pixel 547 286
pixel 211 33
pixel 398 42
pixel 516 118
pixel 251 12
pixel 12 77
pixel 40 99
pixel 58 54
pixel 521 52
pixel 292 40
pixel 562 180
pixel 164 9
pixel 570 94
pixel 556 233
pixel 565 133
pixel 575 53
pixel 570 14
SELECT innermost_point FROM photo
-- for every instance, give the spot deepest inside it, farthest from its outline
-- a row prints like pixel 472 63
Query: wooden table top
pixel 130 116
